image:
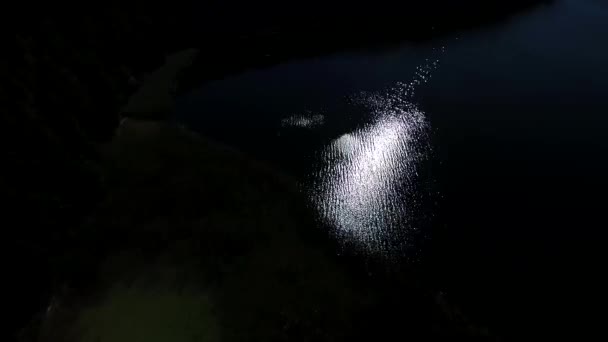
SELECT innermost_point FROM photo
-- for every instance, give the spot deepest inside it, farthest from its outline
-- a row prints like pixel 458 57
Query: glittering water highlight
pixel 309 120
pixel 367 184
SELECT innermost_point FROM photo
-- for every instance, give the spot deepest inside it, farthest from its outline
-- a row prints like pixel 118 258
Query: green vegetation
pixel 193 242
pixel 149 315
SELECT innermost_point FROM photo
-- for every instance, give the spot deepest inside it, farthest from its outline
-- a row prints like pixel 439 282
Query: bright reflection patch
pixel 367 187
pixel 309 120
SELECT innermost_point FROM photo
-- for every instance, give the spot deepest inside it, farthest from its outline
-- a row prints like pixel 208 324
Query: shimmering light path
pixel 367 184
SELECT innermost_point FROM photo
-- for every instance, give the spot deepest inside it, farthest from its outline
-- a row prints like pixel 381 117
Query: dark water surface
pixel 480 156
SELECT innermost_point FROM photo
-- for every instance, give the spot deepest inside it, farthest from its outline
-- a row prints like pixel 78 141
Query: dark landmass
pixel 258 37
pixel 68 72
pixel 195 240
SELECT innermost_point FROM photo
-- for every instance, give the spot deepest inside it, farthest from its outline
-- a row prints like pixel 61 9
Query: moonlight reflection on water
pixel 367 186
pixel 303 121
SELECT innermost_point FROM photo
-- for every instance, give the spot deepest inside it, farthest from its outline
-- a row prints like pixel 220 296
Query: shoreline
pixel 190 221
pixel 181 211
pixel 281 43
pixel 87 124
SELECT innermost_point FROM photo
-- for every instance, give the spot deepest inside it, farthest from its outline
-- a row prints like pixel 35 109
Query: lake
pixel 478 156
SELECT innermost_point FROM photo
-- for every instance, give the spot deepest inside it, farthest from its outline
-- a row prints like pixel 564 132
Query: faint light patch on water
pixel 367 184
pixel 308 120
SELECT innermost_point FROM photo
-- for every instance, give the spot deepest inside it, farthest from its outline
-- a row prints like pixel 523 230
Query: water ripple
pixel 366 187
pixel 308 120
